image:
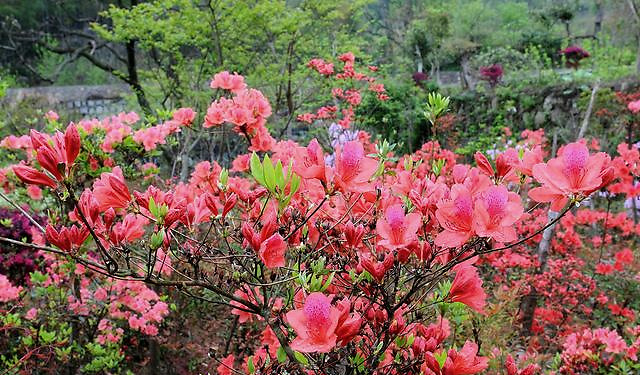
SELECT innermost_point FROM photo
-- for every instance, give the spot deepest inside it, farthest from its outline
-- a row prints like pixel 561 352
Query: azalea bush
pixel 336 256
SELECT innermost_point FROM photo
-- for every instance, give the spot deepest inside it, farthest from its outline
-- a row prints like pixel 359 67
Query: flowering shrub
pixel 573 56
pixel 341 256
pixel 492 73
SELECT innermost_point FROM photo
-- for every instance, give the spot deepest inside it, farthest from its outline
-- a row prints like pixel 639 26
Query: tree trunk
pixel 419 57
pixel 587 116
pixel 638 57
pixel 467 79
pixel 134 80
pixel 132 71
pixel 597 27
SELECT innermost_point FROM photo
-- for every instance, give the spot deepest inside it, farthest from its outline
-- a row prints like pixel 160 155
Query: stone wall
pixel 80 101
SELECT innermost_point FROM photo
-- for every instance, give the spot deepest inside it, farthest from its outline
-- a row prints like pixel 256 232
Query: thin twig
pixel 23 211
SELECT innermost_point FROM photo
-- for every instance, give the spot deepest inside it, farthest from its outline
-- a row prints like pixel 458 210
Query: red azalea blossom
pixel 111 191
pixel 272 251
pixel 467 287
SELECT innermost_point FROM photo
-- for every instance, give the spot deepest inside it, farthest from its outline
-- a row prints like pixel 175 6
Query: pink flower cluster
pixel 152 136
pixel 581 350
pixel 247 111
pixel 350 96
pixel 137 304
pixel 8 292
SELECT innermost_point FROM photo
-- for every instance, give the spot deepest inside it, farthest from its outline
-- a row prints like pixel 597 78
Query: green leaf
pixel 157 239
pixel 27 340
pixel 38 278
pixel 441 358
pixel 316 282
pixel 269 173
pixel 280 176
pixel 250 366
pixel 327 283
pixel 224 176
pixel 153 208
pixel 410 340
pixel 47 337
pixel 379 347
pixel 281 354
pixel 256 169
pixel 301 358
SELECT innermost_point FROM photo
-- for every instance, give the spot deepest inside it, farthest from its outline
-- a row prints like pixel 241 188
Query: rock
pixel 540 118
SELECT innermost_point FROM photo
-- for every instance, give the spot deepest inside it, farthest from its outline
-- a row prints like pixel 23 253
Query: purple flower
pixel 339 136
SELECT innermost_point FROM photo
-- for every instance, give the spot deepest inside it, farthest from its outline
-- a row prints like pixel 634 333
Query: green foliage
pixel 275 179
pixel 78 72
pixel 7 80
pixel 609 62
pixel 268 42
pixel 436 106
pixel 401 118
pixel 511 59
pixel 103 357
pixel 427 34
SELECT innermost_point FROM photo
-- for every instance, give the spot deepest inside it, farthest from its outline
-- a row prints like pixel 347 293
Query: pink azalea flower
pixel 348 325
pixel 353 169
pixel 226 366
pixel 529 159
pixel 496 212
pixel 51 116
pixel 30 175
pixel 226 81
pixel 465 361
pixel 315 324
pixel 61 149
pixel 34 192
pixel 377 269
pixel 397 229
pixel 31 314
pixel 68 238
pixel 129 229
pixel 634 106
pixel 456 218
pixel 574 174
pixel 310 161
pixel 8 292
pixel 241 163
pixel 184 116
pixel 512 369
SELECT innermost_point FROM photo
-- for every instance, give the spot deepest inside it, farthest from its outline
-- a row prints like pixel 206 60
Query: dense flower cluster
pixel 335 253
pixel 17 262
